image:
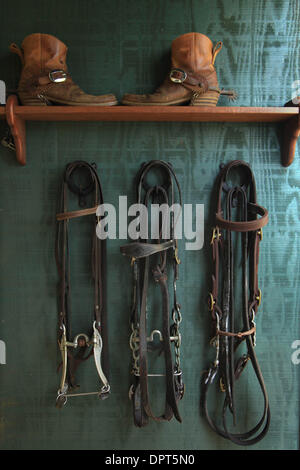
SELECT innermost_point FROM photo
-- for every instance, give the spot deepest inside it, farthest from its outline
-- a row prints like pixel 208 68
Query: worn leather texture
pixel 41 55
pixel 122 47
pixel 193 54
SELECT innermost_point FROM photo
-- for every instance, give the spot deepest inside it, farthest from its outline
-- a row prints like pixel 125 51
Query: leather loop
pixel 241 334
pixel 247 226
pixel 16 50
pixel 217 48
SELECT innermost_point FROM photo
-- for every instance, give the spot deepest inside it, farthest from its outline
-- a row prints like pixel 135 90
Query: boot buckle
pixel 178 75
pixel 57 76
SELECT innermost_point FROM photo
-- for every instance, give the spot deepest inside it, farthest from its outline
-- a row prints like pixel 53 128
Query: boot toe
pixel 93 100
pixel 134 99
pixel 104 100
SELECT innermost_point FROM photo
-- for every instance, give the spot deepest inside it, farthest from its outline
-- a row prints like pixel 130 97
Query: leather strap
pixel 245 226
pixel 154 257
pixel 237 212
pixel 80 352
pixel 142 250
pixel 74 214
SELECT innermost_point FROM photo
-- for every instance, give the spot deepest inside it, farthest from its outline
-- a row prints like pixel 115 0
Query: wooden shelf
pixel 16 117
pixel 154 113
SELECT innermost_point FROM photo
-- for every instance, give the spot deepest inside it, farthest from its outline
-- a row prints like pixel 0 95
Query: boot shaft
pixel 44 77
pixel 192 52
pixel 195 54
pixel 43 53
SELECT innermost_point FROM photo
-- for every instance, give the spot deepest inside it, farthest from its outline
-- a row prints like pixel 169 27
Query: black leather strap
pixel 154 256
pixel 92 191
pixel 238 204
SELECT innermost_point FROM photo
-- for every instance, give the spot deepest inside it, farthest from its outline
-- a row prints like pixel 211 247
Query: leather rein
pixel 95 343
pixel 157 256
pixel 236 219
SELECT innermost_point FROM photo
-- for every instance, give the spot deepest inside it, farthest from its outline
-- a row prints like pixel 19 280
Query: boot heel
pixel 31 100
pixel 210 98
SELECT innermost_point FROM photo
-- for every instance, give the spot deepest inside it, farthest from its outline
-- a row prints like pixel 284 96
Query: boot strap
pixel 195 88
pixel 200 90
pixel 46 78
pixel 216 51
pixel 180 77
pixel 16 50
pixel 53 76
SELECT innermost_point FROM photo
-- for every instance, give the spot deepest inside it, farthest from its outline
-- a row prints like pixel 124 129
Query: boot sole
pixel 70 103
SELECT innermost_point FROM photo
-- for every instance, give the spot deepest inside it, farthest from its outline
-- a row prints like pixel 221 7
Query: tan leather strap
pixel 73 214
pixel 240 334
pixel 216 50
pixel 16 50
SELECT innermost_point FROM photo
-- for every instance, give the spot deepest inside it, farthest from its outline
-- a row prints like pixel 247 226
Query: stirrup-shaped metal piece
pixel 96 343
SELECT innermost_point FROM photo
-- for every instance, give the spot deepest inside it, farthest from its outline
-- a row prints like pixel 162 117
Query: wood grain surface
pixel 117 46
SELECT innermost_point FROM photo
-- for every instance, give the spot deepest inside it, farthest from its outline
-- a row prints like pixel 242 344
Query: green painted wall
pixel 117 46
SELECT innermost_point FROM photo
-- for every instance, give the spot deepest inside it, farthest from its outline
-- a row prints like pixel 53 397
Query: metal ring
pixel 178 79
pixel 61 399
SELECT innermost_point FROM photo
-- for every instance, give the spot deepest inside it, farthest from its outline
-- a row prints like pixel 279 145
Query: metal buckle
pixel 216 235
pixel 258 297
pixel 57 76
pixel 178 75
pixel 211 302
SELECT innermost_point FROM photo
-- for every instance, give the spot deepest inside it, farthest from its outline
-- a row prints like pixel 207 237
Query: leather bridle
pixel 158 256
pixel 95 342
pixel 236 219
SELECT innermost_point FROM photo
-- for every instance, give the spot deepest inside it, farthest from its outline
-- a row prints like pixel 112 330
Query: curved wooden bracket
pixel 291 133
pixel 18 128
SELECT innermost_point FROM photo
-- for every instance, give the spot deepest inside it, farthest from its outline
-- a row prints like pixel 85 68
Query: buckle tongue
pixel 178 75
pixel 57 76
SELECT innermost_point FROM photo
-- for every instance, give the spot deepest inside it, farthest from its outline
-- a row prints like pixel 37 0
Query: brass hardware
pixel 216 235
pixel 176 256
pixel 222 386
pixel 211 302
pixel 258 297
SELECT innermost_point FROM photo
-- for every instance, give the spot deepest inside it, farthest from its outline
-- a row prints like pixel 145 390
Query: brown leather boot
pixel 192 77
pixel 45 78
